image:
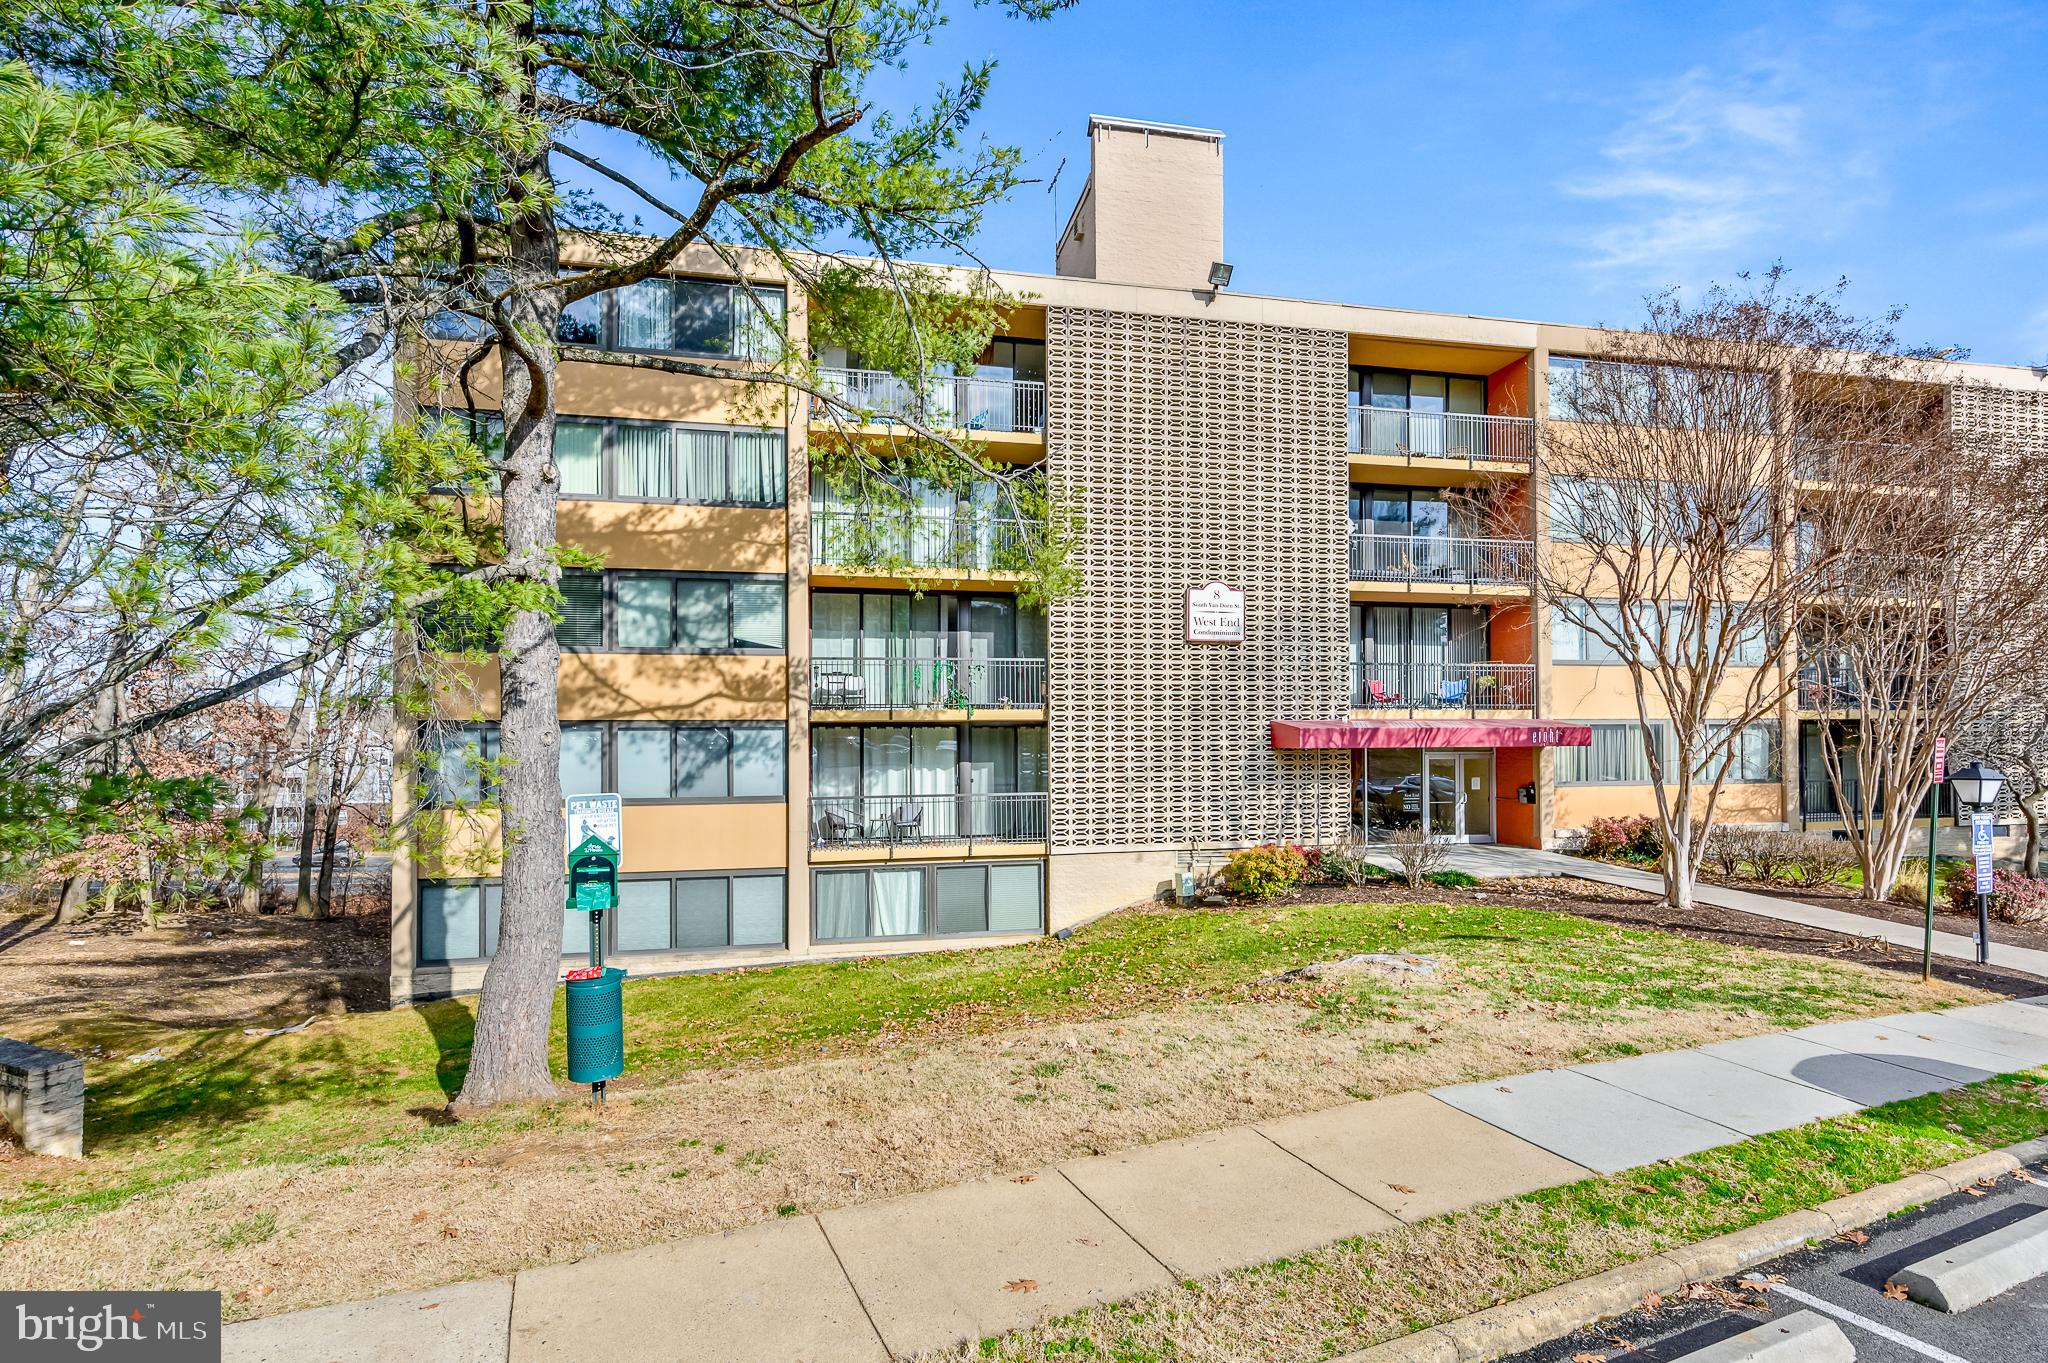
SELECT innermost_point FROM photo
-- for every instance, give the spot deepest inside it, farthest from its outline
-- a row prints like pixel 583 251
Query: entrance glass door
pixel 1443 805
pixel 1458 796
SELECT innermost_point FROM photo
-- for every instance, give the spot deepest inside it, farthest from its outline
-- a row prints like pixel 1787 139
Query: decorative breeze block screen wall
pixel 1196 450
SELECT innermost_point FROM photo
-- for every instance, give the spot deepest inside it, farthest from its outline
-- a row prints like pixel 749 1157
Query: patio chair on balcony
pixel 1450 695
pixel 841 691
pixel 1376 692
pixel 838 826
pixel 906 821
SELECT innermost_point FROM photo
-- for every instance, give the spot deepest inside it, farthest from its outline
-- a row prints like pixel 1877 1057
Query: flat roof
pixel 1146 125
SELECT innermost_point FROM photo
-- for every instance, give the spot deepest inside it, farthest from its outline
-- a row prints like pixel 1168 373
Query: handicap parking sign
pixel 1980 848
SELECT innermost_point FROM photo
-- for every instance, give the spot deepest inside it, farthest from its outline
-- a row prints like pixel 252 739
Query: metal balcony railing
pixel 1440 558
pixel 960 540
pixel 956 402
pixel 1467 688
pixel 1441 435
pixel 927 683
pixel 908 820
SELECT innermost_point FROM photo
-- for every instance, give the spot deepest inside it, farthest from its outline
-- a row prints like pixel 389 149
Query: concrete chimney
pixel 1151 211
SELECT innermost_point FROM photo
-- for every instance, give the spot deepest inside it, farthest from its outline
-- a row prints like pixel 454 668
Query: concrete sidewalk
pixel 886 1279
pixel 1493 860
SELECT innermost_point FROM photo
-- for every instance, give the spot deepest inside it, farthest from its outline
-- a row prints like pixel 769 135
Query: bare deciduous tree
pixel 1671 518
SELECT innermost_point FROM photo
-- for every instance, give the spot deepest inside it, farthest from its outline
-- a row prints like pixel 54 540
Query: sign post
pixel 1980 852
pixel 596 1005
pixel 1933 836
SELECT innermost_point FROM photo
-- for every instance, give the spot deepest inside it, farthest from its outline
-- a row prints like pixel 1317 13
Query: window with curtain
pixel 1616 757
pixel 645 461
pixel 579 455
pixel 1752 757
pixel 711 317
pixel 948 900
pixel 672 612
pixel 677 761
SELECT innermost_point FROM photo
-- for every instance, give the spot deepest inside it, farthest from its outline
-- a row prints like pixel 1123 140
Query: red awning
pixel 1429 733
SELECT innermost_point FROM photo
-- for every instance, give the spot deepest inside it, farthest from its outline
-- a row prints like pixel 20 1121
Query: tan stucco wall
pixel 715 539
pixel 1578 806
pixel 1152 212
pixel 678 686
pixel 737 836
pixel 1084 885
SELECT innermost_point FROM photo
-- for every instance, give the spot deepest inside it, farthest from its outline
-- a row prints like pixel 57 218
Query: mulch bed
pixel 1632 908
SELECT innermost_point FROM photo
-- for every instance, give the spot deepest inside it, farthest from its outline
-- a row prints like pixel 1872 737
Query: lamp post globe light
pixel 1977 787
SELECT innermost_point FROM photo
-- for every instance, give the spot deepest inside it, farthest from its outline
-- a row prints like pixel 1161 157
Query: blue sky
pixel 1555 160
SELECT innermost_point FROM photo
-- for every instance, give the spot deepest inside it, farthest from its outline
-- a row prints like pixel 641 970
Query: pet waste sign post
pixel 596 1002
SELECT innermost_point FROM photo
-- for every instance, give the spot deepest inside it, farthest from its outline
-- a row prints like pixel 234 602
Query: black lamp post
pixel 1977 787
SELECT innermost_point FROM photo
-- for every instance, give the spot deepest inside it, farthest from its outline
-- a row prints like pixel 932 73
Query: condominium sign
pixel 1215 614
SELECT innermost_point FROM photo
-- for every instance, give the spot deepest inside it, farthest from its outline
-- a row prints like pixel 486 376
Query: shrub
pixel 1736 851
pixel 1774 855
pixel 1910 888
pixel 1453 880
pixel 1416 855
pixel 2014 898
pixel 1266 870
pixel 1821 859
pixel 1635 838
pixel 1348 866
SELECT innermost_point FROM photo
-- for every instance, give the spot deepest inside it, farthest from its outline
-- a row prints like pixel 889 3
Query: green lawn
pixel 1358 1292
pixel 367 1083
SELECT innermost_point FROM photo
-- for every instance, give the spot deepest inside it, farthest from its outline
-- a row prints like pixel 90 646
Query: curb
pixel 1502 1330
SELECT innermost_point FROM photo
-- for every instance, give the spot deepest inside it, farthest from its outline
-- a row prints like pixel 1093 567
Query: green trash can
pixel 597 1027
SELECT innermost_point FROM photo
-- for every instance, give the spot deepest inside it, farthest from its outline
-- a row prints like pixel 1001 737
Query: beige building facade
pixel 820 761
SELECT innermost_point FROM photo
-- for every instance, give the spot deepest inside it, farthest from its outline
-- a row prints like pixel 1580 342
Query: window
pixel 1752 756
pixel 638 761
pixel 929 901
pixel 653 461
pixel 1616 757
pixel 618 612
pixel 671 762
pixel 1658 395
pixel 455 759
pixel 693 317
pixel 458 920
pixel 1588 634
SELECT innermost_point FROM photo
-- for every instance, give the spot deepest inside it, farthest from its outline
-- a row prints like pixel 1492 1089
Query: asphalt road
pixel 2012 1328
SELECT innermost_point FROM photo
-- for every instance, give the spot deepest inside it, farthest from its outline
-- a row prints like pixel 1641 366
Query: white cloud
pixel 1710 164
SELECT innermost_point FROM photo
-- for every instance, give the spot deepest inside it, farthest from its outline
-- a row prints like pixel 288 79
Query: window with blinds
pixel 634 612
pixel 458 919
pixel 1617 756
pixel 713 317
pixel 654 461
pixel 676 762
pixel 1753 754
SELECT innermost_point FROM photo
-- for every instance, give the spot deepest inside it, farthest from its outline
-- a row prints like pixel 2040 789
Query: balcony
pixel 956 402
pixel 961 541
pixel 1468 437
pixel 853 821
pixel 927 683
pixel 1438 688
pixel 1455 560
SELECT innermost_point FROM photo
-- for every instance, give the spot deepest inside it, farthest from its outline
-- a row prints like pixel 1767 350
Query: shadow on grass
pixel 453 1027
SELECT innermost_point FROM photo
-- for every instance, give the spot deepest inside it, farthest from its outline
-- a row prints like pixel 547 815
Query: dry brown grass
pixel 726 1148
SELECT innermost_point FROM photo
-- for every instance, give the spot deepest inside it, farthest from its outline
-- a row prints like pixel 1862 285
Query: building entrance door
pixel 1458 796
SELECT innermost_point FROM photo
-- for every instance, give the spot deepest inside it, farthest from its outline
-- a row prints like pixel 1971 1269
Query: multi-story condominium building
pixel 821 760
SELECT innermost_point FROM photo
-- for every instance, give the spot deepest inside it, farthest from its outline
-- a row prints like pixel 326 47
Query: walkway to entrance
pixel 1494 862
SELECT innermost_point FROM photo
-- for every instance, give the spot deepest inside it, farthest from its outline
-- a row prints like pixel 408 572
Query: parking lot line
pixel 1904 1341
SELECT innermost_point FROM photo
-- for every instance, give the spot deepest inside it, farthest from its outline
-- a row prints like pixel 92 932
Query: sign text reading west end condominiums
pixel 1215 614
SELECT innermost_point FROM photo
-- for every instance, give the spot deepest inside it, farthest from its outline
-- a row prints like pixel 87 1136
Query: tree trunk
pixel 71 900
pixel 509 1049
pixel 329 834
pixel 2030 810
pixel 309 815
